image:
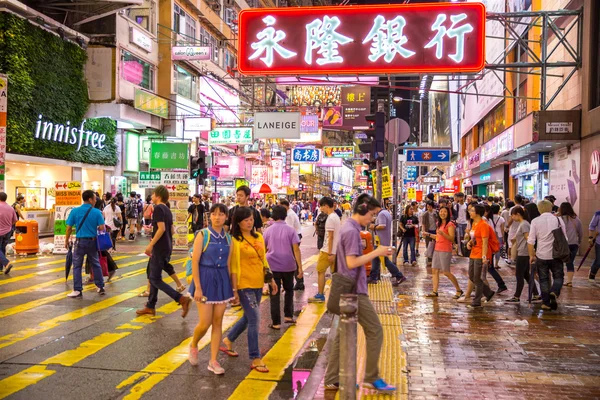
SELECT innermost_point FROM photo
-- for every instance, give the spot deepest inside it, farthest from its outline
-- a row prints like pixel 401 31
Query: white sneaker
pixel 74 294
pixel 193 355
pixel 216 368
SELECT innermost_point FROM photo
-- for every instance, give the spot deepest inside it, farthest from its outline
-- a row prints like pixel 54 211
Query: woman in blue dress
pixel 213 287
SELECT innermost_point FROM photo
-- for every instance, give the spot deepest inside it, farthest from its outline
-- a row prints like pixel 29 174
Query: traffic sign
pixel 428 156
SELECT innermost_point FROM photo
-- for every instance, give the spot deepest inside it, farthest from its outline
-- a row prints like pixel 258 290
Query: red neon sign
pixel 380 39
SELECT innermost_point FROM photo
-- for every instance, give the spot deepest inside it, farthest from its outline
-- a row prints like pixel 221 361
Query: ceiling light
pixel 549 146
pixel 397 99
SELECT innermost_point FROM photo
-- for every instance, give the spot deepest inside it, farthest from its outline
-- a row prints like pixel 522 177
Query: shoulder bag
pixel 268 274
pixel 560 247
pixel 340 285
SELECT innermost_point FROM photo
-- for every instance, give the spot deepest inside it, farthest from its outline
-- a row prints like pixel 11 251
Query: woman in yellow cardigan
pixel 248 263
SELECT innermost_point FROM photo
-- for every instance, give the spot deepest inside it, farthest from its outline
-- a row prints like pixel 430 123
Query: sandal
pixel 262 368
pixel 290 321
pixel 458 295
pixel 230 353
pixel 145 293
pixel 432 294
pixel 569 284
pixel 275 327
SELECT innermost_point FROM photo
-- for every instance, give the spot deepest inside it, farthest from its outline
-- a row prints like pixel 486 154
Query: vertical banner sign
pixel 386 183
pixel 288 160
pixel 356 101
pixel 68 196
pixel 179 199
pixel 3 116
pixel 277 165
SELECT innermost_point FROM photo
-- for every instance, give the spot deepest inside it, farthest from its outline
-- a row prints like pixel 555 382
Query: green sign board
pixel 151 103
pixel 149 176
pixel 166 155
pixel 230 136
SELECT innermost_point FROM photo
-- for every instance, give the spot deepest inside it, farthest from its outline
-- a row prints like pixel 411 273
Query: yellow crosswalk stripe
pixel 49 299
pixel 34 374
pixel 38 286
pixel 13 338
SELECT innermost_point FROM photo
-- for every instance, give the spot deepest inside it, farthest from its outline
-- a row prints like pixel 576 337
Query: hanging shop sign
pixel 333 117
pixel 179 200
pixel 140 39
pixel 148 180
pixel 356 101
pixel 380 39
pixel 303 155
pixel 309 124
pixel 474 159
pixel 67 134
pixel 595 167
pixel 431 179
pixel 277 125
pixel 523 167
pixel 559 127
pixel 67 196
pixel 3 117
pixel 230 136
pixel 331 162
pixel 166 155
pixel 386 183
pixel 151 103
pixel 338 151
pixel 190 53
pixel 196 124
pixel 174 178
pixel 235 167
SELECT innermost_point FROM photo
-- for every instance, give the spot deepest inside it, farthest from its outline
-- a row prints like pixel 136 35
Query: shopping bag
pixel 103 265
pixel 104 241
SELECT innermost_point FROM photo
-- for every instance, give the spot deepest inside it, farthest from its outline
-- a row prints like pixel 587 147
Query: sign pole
pixel 395 202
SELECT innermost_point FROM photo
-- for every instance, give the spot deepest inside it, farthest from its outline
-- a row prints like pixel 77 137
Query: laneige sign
pixel 68 134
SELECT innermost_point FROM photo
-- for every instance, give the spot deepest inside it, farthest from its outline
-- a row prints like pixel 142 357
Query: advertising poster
pixel 333 117
pixel 565 175
pixel 68 196
pixel 386 183
pixel 356 101
pixel 179 199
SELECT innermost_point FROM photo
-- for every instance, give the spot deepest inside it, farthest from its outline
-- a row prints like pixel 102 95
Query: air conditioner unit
pixel 216 7
pixel 229 3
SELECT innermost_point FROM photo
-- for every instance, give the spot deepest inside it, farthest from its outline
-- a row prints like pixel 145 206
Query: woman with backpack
pixel 214 284
pixel 574 236
pixel 478 261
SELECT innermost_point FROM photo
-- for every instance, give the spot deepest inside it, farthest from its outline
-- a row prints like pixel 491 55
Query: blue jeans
pixel 250 301
pixel 376 267
pixel 87 248
pixel 3 242
pixel 596 263
pixel 406 242
pixel 156 265
pixel 545 268
pixel 570 265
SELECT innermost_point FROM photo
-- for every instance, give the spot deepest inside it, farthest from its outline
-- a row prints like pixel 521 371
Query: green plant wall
pixel 46 76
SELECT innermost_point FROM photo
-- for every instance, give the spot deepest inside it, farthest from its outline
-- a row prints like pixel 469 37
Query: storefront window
pixel 186 84
pixel 144 15
pixel 494 123
pixel 184 24
pixel 137 71
pixel 209 40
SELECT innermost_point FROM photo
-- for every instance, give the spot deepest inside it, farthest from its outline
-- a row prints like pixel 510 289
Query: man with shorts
pixel 328 251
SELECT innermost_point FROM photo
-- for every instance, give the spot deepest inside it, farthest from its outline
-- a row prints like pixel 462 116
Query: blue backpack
pixel 205 241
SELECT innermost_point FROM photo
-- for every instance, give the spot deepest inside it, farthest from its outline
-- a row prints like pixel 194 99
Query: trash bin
pixel 367 241
pixel 27 238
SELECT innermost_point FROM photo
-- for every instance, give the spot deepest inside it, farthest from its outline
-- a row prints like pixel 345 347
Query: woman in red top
pixel 478 262
pixel 442 256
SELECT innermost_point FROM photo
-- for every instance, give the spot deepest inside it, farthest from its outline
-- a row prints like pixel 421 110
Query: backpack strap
pixel 205 239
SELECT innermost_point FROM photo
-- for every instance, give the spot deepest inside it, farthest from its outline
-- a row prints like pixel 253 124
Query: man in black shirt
pixel 243 196
pixel 196 213
pixel 159 250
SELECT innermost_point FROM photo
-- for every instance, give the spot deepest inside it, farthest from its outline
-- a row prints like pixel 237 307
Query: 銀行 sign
pixel 230 136
pixel 408 38
pixel 302 155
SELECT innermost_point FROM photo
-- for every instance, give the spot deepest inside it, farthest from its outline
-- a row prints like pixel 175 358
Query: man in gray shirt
pixel 430 225
pixel 383 230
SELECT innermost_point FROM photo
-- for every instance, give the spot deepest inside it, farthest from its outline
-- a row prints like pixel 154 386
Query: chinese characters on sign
pixel 230 136
pixel 356 101
pixel 166 155
pixel 300 155
pixel 3 115
pixel 147 180
pixel 386 183
pixel 67 196
pixel 362 39
pixel 339 151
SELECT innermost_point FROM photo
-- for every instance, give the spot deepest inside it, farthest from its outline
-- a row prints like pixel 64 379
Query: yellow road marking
pixel 24 267
pixel 258 385
pixel 14 383
pixel 49 299
pixel 52 282
pixel 69 358
pixel 166 364
pixel 13 338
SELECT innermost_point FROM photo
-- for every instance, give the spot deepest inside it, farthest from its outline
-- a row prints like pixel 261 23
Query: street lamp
pixel 398 99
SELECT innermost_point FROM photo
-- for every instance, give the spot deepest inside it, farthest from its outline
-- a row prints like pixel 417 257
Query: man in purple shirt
pixel 283 256
pixel 351 265
pixel 8 219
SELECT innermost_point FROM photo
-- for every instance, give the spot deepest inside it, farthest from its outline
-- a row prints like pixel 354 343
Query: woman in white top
pixel 497 223
pixel 111 213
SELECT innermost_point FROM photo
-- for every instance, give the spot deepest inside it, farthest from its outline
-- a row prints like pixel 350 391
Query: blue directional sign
pixel 306 155
pixel 424 156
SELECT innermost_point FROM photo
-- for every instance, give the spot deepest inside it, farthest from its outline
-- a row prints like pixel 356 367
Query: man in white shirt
pixel 541 233
pixel 333 224
pixel 459 212
pixel 293 221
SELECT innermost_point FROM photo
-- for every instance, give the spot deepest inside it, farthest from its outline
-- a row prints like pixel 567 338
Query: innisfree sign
pixel 67 134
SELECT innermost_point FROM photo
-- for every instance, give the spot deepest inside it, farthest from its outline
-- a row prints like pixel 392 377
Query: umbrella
pixel 263 188
pixel 585 256
pixel 69 261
